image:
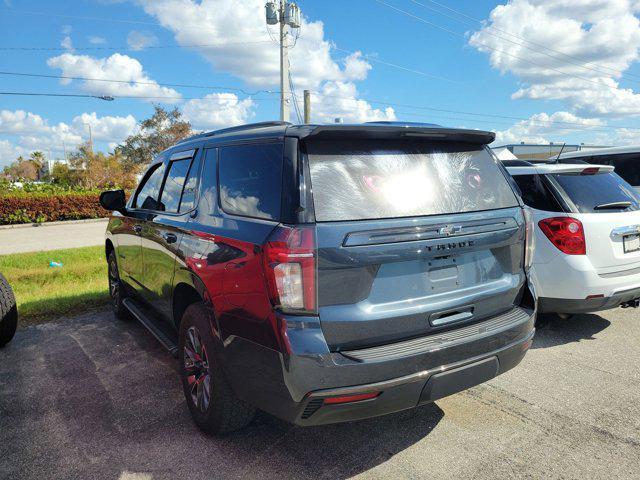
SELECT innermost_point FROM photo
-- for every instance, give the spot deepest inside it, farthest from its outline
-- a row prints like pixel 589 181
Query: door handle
pixel 450 316
pixel 170 238
pixel 137 228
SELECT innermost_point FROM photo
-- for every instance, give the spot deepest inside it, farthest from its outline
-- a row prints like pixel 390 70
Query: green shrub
pixel 42 207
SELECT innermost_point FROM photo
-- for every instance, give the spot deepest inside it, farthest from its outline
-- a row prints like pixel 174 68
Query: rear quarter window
pixel 592 193
pixel 374 179
pixel 536 194
pixel 251 180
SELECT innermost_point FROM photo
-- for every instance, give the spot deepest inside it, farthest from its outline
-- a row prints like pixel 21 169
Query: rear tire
pixel 214 407
pixel 8 312
pixel 116 289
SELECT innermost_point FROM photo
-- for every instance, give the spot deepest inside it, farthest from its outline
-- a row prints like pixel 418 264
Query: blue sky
pixel 533 70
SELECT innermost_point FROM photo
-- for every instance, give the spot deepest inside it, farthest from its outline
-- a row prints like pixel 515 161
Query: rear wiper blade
pixel 613 206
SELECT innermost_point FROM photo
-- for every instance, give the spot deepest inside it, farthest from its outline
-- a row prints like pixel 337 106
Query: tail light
pixel 290 268
pixel 566 234
pixel 529 239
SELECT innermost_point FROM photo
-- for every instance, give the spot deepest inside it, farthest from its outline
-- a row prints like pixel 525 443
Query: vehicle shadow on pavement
pixel 91 397
pixel 552 330
pixel 331 451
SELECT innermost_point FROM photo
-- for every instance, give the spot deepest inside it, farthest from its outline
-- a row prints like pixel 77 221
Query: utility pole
pixel 285 94
pixel 307 107
pixel 285 15
pixel 90 137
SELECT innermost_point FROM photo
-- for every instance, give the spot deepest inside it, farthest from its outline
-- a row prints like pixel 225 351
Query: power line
pixel 76 95
pixel 138 82
pixel 160 47
pixel 452 32
pixel 97 19
pixel 115 97
pixel 128 48
pixel 475 114
pixel 576 61
pixel 481 115
pixel 371 58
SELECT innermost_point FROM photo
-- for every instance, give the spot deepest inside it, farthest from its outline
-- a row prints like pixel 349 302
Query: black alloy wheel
pixel 196 367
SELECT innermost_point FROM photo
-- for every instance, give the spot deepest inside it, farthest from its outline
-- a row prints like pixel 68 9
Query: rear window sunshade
pixel 375 179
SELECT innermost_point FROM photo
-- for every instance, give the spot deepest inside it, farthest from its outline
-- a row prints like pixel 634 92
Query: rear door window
pixel 599 193
pixel 536 194
pixel 189 194
pixel 147 197
pixel 251 180
pixel 373 179
pixel 173 185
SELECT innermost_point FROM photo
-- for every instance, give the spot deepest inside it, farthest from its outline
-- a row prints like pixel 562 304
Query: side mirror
pixel 113 200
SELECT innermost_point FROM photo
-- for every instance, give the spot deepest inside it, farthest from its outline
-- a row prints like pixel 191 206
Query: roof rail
pixel 239 128
pixel 401 124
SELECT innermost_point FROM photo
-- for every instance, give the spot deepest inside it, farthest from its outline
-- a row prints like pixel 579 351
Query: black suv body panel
pixel 399 303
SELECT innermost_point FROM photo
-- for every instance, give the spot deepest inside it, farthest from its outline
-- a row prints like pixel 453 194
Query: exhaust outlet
pixel 635 303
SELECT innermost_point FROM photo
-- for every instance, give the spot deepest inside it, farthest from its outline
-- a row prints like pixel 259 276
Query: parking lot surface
pixel 91 397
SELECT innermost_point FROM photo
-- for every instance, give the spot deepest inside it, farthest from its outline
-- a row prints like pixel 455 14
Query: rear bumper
pixel 407 374
pixel 410 391
pixel 564 285
pixel 568 305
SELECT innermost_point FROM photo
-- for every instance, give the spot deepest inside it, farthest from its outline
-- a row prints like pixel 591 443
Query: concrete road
pixel 52 236
pixel 91 397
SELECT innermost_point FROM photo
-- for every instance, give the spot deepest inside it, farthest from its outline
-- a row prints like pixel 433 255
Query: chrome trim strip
pixel 628 230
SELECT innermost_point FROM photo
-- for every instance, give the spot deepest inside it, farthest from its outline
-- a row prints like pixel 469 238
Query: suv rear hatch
pixel 414 236
pixel 609 209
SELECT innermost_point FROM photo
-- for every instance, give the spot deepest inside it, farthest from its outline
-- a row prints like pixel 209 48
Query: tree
pixel 39 160
pixel 162 130
pixel 22 169
pixel 98 170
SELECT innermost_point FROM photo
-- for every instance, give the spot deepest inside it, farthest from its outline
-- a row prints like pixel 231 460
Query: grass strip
pixel 44 293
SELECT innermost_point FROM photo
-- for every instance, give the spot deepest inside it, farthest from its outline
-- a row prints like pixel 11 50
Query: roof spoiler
pixel 391 132
pixel 545 169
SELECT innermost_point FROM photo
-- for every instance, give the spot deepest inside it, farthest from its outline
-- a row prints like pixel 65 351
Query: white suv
pixel 587 236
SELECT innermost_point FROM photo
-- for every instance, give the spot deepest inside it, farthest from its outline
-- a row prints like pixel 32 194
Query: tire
pixel 214 407
pixel 8 312
pixel 117 291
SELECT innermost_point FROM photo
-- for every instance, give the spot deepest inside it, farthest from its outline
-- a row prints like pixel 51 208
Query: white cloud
pixel 539 127
pixel 95 40
pixel 141 40
pixel 241 46
pixel 597 39
pixel 33 132
pixel 66 43
pixel 117 66
pixel 339 100
pixel 218 110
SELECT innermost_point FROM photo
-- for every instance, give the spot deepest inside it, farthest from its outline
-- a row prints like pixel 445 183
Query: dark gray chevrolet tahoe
pixel 325 273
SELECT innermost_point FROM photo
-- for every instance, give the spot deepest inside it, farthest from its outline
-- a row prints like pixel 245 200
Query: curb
pixel 50 224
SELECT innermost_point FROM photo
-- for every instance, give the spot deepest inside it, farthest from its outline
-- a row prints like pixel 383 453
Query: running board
pixel 138 311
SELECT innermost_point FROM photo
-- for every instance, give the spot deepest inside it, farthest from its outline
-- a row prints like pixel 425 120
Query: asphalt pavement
pixel 92 397
pixel 51 236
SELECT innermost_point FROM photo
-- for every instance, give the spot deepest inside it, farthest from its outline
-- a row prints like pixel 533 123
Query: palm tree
pixel 38 159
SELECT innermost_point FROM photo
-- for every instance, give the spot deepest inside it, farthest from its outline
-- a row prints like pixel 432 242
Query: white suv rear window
pixel 599 193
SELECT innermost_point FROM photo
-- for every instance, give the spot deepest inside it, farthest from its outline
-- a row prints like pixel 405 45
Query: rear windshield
pixel 600 193
pixel 360 180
